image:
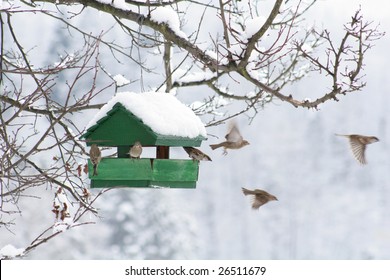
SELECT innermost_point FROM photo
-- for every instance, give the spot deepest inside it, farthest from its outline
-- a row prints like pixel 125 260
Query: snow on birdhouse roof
pixel 162 112
pixel 168 16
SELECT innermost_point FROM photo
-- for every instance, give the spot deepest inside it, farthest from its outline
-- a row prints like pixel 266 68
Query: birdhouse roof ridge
pixel 116 107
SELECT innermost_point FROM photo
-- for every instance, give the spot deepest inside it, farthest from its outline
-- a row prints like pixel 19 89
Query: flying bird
pixel 136 150
pixel 260 197
pixel 234 140
pixel 95 156
pixel 358 145
pixel 196 154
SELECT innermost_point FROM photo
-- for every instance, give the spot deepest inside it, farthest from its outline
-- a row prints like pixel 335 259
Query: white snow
pixel 161 111
pixel 221 59
pixel 168 16
pixel 307 48
pixel 253 25
pixel 210 106
pixel 6 4
pixel 62 226
pixel 260 75
pixel 237 50
pixel 251 94
pixel 195 77
pixel 9 251
pixel 212 54
pixel 120 4
pixel 120 80
pixel 65 61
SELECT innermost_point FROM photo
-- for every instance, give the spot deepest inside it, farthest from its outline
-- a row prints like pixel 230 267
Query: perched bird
pixel 196 154
pixel 234 140
pixel 358 145
pixel 260 197
pixel 136 150
pixel 95 155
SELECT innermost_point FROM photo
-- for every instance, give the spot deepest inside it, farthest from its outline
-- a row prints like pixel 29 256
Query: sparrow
pixel 234 140
pixel 136 150
pixel 95 155
pixel 260 197
pixel 358 145
pixel 196 154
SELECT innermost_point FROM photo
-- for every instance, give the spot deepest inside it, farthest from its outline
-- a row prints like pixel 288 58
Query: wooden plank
pixel 175 170
pixel 148 173
pixel 122 169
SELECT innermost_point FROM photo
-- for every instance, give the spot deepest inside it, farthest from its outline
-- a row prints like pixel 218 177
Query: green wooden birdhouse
pixel 155 120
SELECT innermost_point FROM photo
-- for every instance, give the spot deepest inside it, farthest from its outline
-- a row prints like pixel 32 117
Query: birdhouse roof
pixel 153 118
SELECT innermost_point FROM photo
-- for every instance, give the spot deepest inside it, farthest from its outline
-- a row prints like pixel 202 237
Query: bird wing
pixel 234 134
pixel 358 150
pixel 258 200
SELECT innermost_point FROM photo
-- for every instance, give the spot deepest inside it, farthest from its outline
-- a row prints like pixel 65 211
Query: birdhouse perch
pixel 155 120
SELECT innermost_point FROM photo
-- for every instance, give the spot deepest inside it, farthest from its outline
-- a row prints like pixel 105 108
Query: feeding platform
pixel 155 120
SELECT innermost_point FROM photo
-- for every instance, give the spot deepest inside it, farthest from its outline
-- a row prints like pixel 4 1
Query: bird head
pixel 373 139
pixel 245 143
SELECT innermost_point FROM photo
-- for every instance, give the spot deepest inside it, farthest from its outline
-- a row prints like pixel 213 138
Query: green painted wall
pixel 126 172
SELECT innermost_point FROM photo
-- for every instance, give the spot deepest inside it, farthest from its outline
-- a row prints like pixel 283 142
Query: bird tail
pixel 342 135
pixel 246 191
pixel 216 146
pixel 95 173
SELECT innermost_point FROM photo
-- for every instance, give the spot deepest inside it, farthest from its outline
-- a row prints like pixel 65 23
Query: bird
pixel 234 140
pixel 196 154
pixel 260 197
pixel 136 150
pixel 358 145
pixel 95 155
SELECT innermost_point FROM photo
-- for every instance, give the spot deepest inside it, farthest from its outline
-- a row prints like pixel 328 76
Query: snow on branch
pixel 168 16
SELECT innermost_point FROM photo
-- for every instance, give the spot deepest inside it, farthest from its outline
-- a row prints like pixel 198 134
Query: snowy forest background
pixel 329 206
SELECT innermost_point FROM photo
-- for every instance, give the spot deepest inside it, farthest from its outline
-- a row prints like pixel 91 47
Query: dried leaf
pixel 79 170
pixel 85 169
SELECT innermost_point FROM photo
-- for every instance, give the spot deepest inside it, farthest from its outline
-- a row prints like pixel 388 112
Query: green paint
pixel 145 172
pixel 121 128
